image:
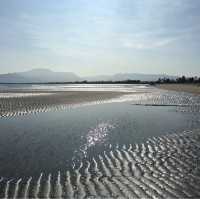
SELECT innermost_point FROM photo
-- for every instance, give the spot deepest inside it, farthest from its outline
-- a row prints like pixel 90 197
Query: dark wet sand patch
pixel 38 103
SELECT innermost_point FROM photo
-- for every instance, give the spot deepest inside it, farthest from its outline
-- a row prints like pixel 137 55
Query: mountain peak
pixel 40 70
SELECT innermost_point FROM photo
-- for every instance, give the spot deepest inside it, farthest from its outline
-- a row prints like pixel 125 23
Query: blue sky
pixel 101 37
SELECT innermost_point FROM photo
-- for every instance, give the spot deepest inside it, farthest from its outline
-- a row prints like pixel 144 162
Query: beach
pixel 112 141
pixel 24 99
pixel 13 103
pixel 189 88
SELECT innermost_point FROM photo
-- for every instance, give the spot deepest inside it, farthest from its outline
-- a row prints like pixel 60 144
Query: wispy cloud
pixel 101 31
pixel 145 45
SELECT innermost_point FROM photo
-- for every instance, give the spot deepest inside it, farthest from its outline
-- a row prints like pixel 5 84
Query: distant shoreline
pixel 82 82
pixel 189 88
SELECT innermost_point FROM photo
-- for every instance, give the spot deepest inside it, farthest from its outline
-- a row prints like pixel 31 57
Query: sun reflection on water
pixel 96 135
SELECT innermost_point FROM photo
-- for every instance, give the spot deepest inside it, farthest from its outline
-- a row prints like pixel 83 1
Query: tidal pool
pixel 52 141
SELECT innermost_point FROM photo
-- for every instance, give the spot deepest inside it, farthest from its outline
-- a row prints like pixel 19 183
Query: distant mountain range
pixel 46 75
pixel 38 76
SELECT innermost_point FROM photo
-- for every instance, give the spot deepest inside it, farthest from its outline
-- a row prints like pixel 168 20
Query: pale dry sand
pixel 189 88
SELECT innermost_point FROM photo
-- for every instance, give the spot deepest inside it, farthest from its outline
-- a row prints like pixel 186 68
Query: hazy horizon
pixel 102 37
pixel 110 74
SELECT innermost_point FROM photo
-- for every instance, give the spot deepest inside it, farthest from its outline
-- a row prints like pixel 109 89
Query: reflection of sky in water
pixel 47 142
pixel 8 95
pixel 79 87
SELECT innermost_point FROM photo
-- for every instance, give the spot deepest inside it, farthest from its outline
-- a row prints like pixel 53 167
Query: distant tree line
pixel 181 80
pixel 90 82
pixel 110 82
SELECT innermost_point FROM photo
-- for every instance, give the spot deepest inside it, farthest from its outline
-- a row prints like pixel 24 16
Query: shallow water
pixel 48 142
pixel 141 145
pixel 75 87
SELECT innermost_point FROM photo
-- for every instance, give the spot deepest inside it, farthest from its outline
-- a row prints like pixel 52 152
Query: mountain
pixel 46 75
pixel 12 78
pixel 39 76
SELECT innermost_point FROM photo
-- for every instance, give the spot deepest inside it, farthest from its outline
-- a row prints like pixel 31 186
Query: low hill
pixel 46 75
pixel 39 76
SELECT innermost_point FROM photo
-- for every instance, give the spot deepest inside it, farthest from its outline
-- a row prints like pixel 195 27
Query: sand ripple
pixel 162 167
pixel 182 101
pixel 15 106
pixel 35 103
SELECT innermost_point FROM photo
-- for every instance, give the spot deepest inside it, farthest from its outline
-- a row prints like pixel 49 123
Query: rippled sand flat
pixel 12 104
pixel 27 99
pixel 161 167
pixel 182 101
pixel 108 158
pixel 33 101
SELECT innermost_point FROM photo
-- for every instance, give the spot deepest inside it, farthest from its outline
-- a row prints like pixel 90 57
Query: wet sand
pixel 41 103
pixel 161 167
pixel 189 88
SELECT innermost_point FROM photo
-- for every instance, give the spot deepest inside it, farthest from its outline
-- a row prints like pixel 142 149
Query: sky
pixel 94 37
